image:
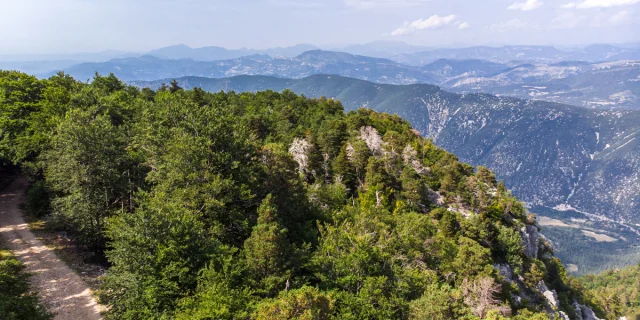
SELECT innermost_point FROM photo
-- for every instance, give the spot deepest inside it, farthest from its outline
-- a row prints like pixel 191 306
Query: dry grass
pixel 546 221
pixel 598 236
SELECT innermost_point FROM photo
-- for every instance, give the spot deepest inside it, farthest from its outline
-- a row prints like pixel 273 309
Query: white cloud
pixel 433 22
pixel 526 6
pixel 567 21
pixel 587 4
pixel 621 17
pixel 368 4
pixel 463 25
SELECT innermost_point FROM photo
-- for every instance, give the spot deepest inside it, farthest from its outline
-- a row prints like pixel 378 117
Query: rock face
pixel 505 271
pixel 530 240
pixel 550 295
pixel 584 312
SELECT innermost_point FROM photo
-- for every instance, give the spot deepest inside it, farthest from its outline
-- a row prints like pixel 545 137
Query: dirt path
pixel 60 288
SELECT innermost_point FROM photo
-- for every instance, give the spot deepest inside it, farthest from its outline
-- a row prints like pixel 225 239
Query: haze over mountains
pixel 596 76
pixel 614 84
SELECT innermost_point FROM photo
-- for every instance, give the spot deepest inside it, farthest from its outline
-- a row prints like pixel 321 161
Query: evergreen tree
pixel 156 254
pixel 267 251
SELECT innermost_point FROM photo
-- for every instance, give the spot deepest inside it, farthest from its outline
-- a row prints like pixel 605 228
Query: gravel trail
pixel 62 291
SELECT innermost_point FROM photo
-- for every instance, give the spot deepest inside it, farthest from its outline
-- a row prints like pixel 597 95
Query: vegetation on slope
pixel 616 291
pixel 585 158
pixel 274 206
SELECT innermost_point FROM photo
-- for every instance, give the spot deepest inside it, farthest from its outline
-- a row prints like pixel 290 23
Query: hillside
pixel 617 291
pixel 550 154
pixel 271 205
pixel 611 85
pixel 308 63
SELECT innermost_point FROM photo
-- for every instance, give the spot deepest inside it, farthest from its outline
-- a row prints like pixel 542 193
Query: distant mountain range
pixel 305 64
pixel 550 154
pixel 381 49
pixel 544 54
pixel 607 85
pixel 417 55
pixel 44 64
pixel 218 53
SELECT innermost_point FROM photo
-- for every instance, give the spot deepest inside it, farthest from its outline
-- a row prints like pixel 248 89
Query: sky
pixel 69 26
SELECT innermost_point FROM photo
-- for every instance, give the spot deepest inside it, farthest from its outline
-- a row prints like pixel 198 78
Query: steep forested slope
pixel 549 154
pixel 274 206
pixel 616 291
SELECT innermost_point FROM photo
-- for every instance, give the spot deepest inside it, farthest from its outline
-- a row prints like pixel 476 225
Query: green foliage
pixel 472 260
pixel 88 167
pixel 617 291
pixel 510 247
pixel 38 199
pixel 16 301
pixel 265 205
pixel 156 254
pixel 221 293
pixel 267 251
pixel 439 302
pixel 306 303
pixel 20 97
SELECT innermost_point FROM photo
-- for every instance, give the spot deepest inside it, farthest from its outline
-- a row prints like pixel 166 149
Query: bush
pixel 38 203
pixel 16 302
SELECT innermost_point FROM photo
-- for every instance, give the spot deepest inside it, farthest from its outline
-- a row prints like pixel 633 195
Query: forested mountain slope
pixel 549 154
pixel 608 85
pixel 617 291
pixel 274 206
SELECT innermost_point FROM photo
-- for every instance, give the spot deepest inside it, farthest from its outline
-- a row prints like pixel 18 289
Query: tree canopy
pixel 272 206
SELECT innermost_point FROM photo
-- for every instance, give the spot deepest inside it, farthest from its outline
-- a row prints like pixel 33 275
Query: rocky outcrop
pixel 583 312
pixel 530 240
pixel 505 271
pixel 550 295
pixel 300 150
pixel 410 158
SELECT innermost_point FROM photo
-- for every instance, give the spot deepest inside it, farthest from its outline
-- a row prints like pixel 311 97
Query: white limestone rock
pixel 530 240
pixel 550 295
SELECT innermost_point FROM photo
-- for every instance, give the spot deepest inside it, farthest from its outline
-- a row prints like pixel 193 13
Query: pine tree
pixel 267 250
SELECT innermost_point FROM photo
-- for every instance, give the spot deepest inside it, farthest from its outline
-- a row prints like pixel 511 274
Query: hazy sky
pixel 64 26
